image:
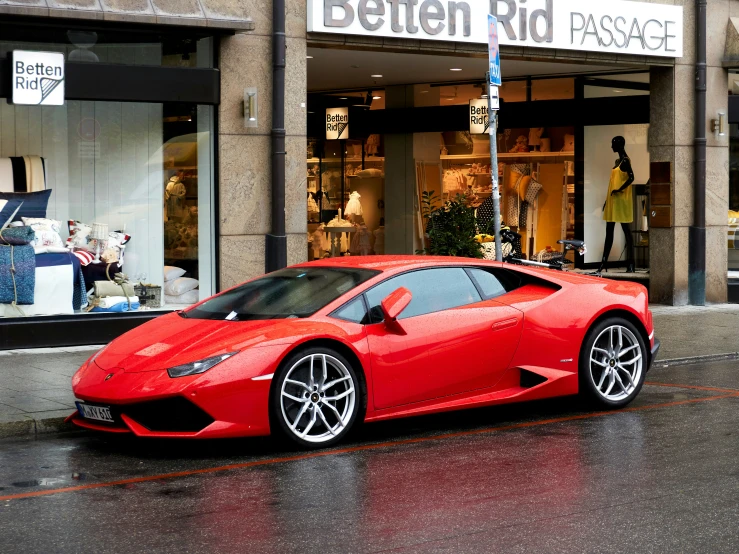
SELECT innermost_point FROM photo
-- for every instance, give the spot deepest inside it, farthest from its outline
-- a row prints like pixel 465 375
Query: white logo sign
pixel 479 120
pixel 337 123
pixel 616 26
pixel 38 78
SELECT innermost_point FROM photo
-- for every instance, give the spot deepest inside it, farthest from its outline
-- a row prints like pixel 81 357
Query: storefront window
pixel 734 199
pixel 115 188
pixel 600 161
pixel 553 89
pixel 346 197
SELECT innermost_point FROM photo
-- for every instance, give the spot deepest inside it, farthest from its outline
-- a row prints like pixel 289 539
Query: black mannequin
pixel 624 164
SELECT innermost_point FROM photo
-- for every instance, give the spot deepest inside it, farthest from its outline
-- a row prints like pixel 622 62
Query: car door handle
pixel 505 324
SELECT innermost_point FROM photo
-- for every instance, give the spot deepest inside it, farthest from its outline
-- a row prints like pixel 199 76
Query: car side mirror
pixel 393 305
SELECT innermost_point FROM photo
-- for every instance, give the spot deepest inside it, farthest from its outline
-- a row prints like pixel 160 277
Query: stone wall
pixel 245 154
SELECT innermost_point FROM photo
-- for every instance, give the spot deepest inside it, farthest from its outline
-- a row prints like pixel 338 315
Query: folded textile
pixel 35 178
pixel 17 286
pixel 17 236
pixel 110 301
pixel 118 308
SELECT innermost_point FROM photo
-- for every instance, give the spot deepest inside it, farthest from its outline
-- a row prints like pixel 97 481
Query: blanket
pixel 17 274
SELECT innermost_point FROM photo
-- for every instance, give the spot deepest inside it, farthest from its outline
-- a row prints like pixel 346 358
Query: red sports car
pixel 310 350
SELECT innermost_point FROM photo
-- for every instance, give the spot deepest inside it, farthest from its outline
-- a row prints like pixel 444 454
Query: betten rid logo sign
pixel 337 123
pixel 38 78
pixel 615 26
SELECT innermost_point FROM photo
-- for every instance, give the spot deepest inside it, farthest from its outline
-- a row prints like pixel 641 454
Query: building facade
pixel 160 150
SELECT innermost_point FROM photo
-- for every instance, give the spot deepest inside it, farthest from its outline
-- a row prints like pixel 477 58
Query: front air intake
pixel 175 415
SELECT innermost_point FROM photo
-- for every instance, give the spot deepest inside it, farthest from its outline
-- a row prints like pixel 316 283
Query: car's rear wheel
pixel 316 397
pixel 613 363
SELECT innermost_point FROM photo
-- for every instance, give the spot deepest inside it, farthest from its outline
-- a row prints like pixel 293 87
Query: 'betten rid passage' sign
pixel 613 26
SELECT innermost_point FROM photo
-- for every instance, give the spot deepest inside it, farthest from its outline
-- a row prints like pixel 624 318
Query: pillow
pixel 180 286
pixel 190 297
pixel 79 235
pixel 171 272
pixel 8 210
pixel 114 247
pixel 47 232
pixel 34 203
pixel 84 257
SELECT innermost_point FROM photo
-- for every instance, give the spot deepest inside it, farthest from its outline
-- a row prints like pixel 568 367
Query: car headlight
pixel 201 366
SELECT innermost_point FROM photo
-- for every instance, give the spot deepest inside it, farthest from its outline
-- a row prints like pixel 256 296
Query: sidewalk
pixel 36 394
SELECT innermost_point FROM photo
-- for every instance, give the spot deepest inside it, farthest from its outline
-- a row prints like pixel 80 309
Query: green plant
pixel 451 227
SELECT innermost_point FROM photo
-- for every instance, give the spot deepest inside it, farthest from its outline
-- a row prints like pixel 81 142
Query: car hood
pixel 172 340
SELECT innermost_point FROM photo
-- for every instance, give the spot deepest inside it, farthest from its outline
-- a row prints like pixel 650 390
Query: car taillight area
pixel 170 415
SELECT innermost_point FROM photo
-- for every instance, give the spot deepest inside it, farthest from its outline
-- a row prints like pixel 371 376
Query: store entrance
pixel 407 140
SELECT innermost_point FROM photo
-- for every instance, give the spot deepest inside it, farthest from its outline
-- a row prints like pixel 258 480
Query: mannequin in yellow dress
pixel 619 205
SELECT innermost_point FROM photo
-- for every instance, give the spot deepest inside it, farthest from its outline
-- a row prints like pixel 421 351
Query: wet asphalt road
pixel 545 477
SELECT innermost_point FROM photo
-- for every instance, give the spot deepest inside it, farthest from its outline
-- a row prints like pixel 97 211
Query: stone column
pixel 400 179
pixel 245 157
pixel 671 139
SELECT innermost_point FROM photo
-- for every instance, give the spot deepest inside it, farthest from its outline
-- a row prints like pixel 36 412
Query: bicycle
pixel 510 237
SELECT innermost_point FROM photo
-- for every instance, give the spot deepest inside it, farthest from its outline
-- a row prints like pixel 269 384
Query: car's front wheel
pixel 316 397
pixel 613 363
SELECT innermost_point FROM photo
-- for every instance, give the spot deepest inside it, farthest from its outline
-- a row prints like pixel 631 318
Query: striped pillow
pixel 85 258
pixel 8 210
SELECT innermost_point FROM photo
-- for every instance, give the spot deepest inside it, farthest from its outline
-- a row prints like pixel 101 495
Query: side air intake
pixel 529 379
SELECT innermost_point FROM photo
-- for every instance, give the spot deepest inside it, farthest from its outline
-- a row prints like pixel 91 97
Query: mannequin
pixel 619 207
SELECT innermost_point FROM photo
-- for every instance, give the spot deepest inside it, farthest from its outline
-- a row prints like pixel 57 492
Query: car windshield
pixel 290 293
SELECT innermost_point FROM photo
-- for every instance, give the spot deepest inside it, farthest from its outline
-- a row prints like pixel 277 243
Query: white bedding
pixel 52 293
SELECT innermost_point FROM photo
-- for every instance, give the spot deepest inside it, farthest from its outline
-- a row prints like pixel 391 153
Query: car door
pixel 455 341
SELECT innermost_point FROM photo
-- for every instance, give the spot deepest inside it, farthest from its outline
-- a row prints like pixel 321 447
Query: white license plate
pixel 99 413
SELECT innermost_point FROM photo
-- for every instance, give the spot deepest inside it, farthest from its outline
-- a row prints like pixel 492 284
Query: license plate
pixel 99 413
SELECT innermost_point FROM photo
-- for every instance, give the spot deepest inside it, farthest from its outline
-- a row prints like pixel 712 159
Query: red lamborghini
pixel 310 350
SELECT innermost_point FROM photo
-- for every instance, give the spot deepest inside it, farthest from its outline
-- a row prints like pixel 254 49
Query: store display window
pixel 106 206
pixel 733 219
pixel 346 197
pixel 536 172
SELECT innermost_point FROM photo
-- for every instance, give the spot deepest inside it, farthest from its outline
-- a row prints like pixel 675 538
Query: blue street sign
pixel 494 52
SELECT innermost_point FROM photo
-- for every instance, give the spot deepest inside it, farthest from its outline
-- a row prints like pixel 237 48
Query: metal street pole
pixel 493 130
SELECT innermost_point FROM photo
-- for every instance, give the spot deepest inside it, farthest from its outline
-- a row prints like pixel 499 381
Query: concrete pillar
pixel 400 179
pixel 671 139
pixel 244 168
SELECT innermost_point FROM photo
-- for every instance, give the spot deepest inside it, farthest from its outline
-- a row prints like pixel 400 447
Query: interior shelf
pixel 523 156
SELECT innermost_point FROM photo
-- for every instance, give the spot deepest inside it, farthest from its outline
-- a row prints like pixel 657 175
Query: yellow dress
pixel 619 207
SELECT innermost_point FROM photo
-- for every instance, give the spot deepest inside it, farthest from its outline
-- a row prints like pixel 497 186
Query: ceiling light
pixel 617 90
pixel 455 69
pixel 343 98
pixel 376 76
pixel 377 98
pixel 424 92
pixel 309 57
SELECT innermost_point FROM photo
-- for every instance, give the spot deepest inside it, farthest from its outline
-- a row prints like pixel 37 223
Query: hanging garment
pixel 354 206
pixel 35 178
pixel 6 175
pixel 20 183
pixel 379 241
pixel 620 206
pixel 312 205
pixel 174 196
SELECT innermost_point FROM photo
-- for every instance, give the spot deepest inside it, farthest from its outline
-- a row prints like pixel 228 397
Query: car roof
pixel 394 263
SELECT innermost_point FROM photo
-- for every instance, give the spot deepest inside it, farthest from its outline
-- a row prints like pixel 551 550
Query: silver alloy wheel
pixel 616 363
pixel 317 398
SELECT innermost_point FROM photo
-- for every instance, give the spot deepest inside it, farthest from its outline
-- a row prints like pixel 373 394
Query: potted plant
pixel 451 227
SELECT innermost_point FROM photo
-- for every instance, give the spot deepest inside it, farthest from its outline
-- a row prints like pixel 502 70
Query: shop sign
pixel 616 26
pixel 479 119
pixel 337 123
pixel 38 78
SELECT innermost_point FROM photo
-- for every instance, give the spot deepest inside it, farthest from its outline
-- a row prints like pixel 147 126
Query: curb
pixel 34 427
pixel 696 360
